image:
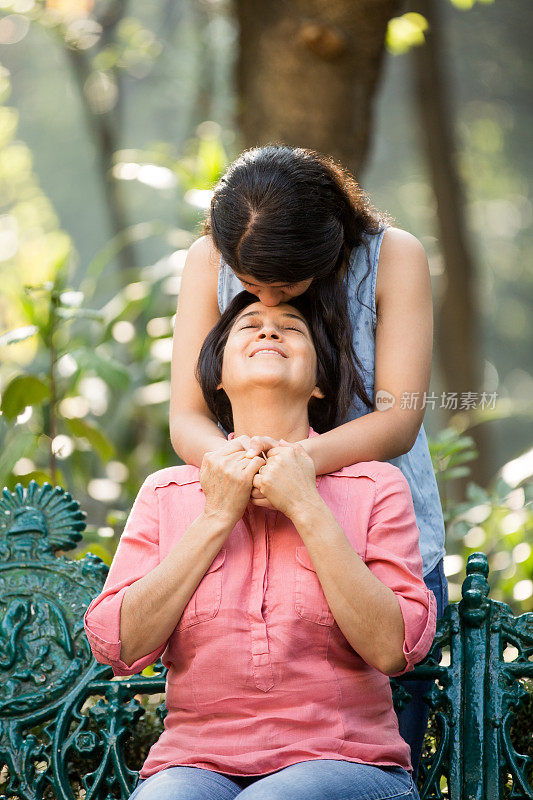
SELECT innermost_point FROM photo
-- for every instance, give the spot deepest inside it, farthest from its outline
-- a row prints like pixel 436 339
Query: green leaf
pixel 71 298
pixel 460 528
pixel 477 494
pixel 30 308
pixel 211 160
pixel 456 472
pixel 19 443
pixel 502 489
pixel 405 32
pixel 96 549
pixel 18 335
pixel 47 286
pixel 24 390
pixel 78 427
pixel 37 475
pixel 107 368
pixel 80 313
pixel 465 456
pixel 464 5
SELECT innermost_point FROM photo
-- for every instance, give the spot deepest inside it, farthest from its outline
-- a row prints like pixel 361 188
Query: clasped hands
pixel 269 473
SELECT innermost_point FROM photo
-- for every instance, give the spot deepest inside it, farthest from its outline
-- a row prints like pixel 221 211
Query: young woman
pixel 284 221
pixel 279 627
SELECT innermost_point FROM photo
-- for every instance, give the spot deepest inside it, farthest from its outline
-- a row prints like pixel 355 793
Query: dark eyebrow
pixel 294 316
pixel 284 314
pixel 281 286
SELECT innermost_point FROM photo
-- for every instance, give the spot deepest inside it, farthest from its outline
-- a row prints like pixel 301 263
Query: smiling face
pixel 269 347
pixel 272 294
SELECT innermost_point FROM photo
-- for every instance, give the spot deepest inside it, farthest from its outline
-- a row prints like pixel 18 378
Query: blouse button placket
pixel 261 661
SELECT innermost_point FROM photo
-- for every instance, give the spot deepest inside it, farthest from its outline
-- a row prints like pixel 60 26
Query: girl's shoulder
pixel 203 255
pixel 402 263
pixel 399 240
pixel 197 301
pixel 390 242
pixel 205 248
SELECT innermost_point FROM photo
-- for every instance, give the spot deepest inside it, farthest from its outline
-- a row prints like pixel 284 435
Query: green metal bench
pixel 68 728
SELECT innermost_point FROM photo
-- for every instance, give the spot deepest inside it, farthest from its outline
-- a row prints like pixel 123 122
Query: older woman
pixel 279 628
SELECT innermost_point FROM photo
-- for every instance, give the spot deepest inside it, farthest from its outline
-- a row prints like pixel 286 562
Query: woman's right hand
pixel 226 477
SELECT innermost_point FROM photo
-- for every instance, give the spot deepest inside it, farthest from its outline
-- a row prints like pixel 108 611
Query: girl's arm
pixel 404 340
pixel 193 429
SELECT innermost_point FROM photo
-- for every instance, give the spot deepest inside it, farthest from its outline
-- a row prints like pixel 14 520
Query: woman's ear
pixel 317 392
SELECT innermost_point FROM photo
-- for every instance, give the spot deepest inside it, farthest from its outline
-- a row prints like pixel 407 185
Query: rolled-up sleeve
pixel 136 555
pixel 393 555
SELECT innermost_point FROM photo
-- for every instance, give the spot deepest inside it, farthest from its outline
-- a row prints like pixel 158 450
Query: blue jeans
pixel 320 779
pixel 413 718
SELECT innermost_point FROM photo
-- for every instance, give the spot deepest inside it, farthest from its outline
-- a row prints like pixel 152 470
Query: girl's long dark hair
pixel 282 213
pixel 331 368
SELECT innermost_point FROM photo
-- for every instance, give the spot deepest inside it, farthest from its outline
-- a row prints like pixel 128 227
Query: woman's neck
pixel 277 417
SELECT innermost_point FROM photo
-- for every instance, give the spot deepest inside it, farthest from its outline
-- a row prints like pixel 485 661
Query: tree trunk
pixel 307 73
pixel 105 130
pixel 458 316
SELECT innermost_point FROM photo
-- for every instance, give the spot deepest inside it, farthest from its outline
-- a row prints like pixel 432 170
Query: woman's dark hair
pixel 333 373
pixel 282 213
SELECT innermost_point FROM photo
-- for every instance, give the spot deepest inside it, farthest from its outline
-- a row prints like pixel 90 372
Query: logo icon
pixel 384 400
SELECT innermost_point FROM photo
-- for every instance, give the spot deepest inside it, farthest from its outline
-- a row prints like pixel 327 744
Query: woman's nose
pixel 268 333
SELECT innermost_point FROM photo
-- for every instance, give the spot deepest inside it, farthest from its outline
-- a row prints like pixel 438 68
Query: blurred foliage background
pixel 116 120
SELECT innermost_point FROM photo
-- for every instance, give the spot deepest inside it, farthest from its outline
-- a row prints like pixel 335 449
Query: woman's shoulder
pixel 179 475
pixel 378 471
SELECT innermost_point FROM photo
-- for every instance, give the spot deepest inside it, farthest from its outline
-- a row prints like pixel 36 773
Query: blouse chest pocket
pixel 205 602
pixel 309 599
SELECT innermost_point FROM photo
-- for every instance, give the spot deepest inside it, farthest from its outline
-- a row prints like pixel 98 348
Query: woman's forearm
pixel 192 435
pixel 377 436
pixel 152 606
pixel 367 612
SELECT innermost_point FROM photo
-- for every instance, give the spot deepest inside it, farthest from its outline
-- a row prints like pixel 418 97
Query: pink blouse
pixel 260 676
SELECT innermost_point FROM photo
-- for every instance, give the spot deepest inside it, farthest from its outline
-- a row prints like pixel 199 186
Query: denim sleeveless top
pixel 416 464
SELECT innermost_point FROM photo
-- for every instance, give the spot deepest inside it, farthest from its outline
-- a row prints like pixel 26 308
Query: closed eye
pixel 244 327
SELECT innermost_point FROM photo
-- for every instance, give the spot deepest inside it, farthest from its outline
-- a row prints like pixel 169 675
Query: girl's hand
pixel 226 477
pixel 288 479
pixel 260 444
pixel 227 445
